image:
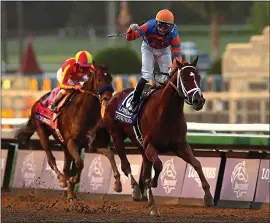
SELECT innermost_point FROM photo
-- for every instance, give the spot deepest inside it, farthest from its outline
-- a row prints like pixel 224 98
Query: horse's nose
pixel 199 101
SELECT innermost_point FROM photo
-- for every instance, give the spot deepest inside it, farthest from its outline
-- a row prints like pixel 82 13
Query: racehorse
pixel 78 114
pixel 159 127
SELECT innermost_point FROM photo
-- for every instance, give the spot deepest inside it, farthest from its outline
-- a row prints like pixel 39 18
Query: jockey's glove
pixel 134 27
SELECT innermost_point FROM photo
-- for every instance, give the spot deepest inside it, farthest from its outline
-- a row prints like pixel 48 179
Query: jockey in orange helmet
pixel 72 72
pixel 160 33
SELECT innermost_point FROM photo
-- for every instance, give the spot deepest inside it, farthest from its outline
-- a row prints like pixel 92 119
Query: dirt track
pixel 29 208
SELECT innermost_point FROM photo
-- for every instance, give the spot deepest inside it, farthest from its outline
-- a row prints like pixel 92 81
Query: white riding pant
pixel 164 60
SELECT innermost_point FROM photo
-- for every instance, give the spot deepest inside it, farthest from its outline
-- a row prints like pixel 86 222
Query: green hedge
pixel 215 67
pixel 121 60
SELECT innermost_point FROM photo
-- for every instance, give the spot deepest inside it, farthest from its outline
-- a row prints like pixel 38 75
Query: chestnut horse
pixel 75 121
pixel 163 128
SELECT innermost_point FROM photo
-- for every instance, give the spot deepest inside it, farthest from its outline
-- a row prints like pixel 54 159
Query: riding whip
pixel 123 34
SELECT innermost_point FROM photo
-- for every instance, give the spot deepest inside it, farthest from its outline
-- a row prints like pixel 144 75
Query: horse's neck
pixel 85 101
pixel 171 105
pixel 90 84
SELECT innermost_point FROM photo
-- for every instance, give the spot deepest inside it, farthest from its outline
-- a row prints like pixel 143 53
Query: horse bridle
pixel 101 90
pixel 184 94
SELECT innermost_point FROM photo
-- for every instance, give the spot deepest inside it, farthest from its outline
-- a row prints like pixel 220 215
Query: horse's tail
pixel 24 133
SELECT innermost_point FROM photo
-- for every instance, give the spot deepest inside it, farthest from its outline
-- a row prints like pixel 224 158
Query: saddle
pixel 43 114
pixel 48 98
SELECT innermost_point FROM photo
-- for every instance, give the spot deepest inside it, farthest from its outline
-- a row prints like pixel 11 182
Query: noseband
pixel 184 94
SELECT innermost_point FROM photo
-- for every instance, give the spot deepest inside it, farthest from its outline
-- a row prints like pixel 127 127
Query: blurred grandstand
pixel 236 92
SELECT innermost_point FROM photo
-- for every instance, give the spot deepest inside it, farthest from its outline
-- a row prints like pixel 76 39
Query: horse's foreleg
pixel 73 150
pixel 44 141
pixel 146 170
pixel 125 165
pixel 186 154
pixel 66 169
pixel 110 155
pixel 152 154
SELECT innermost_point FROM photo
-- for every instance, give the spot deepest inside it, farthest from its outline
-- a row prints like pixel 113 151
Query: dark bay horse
pixel 163 128
pixel 75 121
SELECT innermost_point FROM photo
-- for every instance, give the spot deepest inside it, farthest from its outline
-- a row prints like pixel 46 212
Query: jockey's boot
pixel 56 101
pixel 137 94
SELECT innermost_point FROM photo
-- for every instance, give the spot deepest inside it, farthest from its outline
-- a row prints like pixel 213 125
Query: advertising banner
pixel 170 180
pixel 48 178
pixel 28 169
pixel 192 187
pixel 136 165
pixel 263 184
pixel 239 179
pixel 96 174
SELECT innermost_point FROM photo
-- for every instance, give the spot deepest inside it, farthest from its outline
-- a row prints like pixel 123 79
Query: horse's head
pixel 188 84
pixel 104 83
pixel 100 82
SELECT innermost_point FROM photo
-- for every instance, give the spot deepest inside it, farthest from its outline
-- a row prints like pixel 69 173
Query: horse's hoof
pixel 63 184
pixel 117 187
pixel 208 200
pixel 154 212
pixel 153 183
pixel 70 200
pixel 136 194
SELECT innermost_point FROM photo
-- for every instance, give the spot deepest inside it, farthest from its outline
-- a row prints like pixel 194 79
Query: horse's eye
pixel 99 80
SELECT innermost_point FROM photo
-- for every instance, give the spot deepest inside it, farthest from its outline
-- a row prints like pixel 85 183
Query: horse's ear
pixel 179 63
pixel 104 66
pixel 194 62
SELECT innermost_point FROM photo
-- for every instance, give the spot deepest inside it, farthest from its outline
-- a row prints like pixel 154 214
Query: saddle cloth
pixel 45 115
pixel 123 115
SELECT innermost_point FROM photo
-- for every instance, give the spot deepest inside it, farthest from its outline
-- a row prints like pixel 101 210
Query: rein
pixel 89 92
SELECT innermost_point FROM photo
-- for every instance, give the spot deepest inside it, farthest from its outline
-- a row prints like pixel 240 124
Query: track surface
pixel 29 208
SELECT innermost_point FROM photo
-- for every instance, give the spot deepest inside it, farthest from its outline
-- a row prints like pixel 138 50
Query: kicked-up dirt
pixel 31 208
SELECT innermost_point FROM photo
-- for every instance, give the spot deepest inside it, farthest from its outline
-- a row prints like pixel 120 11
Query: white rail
pixel 192 126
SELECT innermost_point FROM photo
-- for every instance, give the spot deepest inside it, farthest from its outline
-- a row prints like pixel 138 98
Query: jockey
pixel 160 34
pixel 72 72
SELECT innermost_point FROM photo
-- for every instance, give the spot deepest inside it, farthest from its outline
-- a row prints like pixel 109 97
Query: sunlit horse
pixel 76 119
pixel 163 128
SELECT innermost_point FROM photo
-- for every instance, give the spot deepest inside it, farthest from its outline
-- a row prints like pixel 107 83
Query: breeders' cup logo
pixel 95 173
pixel 168 176
pixel 239 179
pixel 209 173
pixel 29 170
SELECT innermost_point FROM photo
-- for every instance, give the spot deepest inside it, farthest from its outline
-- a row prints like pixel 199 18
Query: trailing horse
pixel 78 114
pixel 159 126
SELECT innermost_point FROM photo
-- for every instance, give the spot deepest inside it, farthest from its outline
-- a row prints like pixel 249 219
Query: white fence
pixel 192 126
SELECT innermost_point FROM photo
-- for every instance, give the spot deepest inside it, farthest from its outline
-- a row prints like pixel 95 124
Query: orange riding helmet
pixel 165 16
